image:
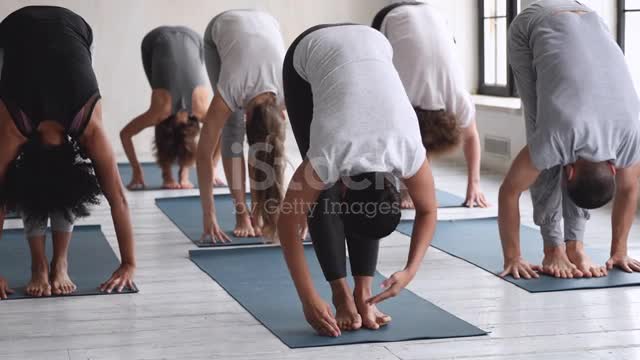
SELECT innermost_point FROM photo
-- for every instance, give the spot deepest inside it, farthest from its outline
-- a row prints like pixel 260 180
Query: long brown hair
pixel 176 142
pixel 440 131
pixel 266 136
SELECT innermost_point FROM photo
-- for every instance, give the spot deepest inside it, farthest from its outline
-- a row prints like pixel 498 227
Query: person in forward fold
pixel 583 139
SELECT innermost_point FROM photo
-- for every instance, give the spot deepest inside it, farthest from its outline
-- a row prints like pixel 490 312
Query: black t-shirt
pixel 47 72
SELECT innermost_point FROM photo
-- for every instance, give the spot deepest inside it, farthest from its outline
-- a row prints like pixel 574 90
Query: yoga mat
pixel 478 242
pixel 448 200
pixel 259 280
pixel 153 175
pixel 91 260
pixel 186 214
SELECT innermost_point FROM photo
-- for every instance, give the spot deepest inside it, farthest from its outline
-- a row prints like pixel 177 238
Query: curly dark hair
pixel 176 142
pixel 45 179
pixel 440 131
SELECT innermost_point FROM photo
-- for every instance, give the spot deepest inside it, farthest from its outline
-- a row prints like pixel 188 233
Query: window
pixel 495 75
pixel 628 30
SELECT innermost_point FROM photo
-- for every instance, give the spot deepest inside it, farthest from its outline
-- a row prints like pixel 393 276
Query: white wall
pixel 120 25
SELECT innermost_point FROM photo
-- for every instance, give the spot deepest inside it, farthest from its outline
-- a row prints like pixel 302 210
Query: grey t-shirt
pixel 587 105
pixel 424 55
pixel 251 52
pixel 362 118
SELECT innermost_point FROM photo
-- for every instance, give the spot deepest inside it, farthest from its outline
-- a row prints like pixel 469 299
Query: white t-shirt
pixel 362 118
pixel 251 51
pixel 424 55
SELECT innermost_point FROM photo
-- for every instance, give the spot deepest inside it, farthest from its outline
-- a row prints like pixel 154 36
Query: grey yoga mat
pixel 153 175
pixel 478 242
pixel 186 214
pixel 259 280
pixel 91 260
pixel 448 200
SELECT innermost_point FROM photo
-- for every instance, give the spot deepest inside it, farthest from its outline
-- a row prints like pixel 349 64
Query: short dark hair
pixel 45 179
pixel 594 185
pixel 379 212
pixel 176 142
pixel 440 131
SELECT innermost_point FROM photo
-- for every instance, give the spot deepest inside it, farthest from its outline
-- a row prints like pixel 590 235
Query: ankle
pixel 340 290
pixel 59 264
pixel 555 250
pixel 574 245
pixel 39 266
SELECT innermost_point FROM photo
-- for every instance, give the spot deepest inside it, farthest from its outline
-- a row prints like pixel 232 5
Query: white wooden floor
pixel 181 314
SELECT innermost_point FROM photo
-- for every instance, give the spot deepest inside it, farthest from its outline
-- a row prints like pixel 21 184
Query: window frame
pixel 509 90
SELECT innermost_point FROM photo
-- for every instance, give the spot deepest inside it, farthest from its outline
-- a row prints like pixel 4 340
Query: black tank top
pixel 47 72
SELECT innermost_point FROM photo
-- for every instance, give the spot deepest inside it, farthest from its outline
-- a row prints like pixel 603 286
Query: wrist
pixel 129 263
pixel 619 251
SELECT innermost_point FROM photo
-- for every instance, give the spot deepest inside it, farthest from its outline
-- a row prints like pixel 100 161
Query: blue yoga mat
pixel 448 200
pixel 186 214
pixel 153 175
pixel 478 242
pixel 91 260
pixel 259 280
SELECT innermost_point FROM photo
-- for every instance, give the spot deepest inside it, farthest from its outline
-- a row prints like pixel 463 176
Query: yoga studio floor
pixel 180 313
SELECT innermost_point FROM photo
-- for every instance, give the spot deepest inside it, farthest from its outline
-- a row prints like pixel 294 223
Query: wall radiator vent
pixel 497 146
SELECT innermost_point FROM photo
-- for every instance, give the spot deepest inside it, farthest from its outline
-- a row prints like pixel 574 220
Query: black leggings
pixel 325 225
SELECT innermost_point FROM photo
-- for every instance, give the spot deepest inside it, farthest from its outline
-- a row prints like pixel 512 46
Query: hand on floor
pixel 212 232
pixel 137 182
pixel 475 197
pixel 122 278
pixel 393 285
pixel 5 290
pixel 519 267
pixel 319 315
pixel 623 262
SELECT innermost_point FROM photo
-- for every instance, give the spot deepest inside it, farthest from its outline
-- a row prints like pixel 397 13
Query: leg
pixel 233 161
pixel 546 195
pixel 168 181
pixel 327 233
pixel 213 63
pixel 575 221
pixel 62 229
pixel 363 257
pixel 35 231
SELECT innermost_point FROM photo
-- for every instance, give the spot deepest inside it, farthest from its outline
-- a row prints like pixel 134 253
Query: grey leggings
pixel 233 133
pixel 37 226
pixel 548 194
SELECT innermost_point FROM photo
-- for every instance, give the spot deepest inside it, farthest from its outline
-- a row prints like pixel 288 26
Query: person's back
pixel 424 56
pixel 53 45
pixel 355 87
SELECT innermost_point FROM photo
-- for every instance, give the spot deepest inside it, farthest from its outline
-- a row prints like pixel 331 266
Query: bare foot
pixel 186 184
pixel 579 258
pixel 61 283
pixel 405 200
pixel 243 226
pixel 556 263
pixel 170 184
pixel 39 284
pixel 372 318
pixel 347 315
pixel 219 182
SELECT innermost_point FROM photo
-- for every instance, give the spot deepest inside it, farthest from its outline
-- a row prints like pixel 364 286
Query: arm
pixel 160 109
pixel 99 150
pixel 472 151
pixel 421 187
pixel 293 218
pixel 624 211
pixel 215 120
pixel 520 177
